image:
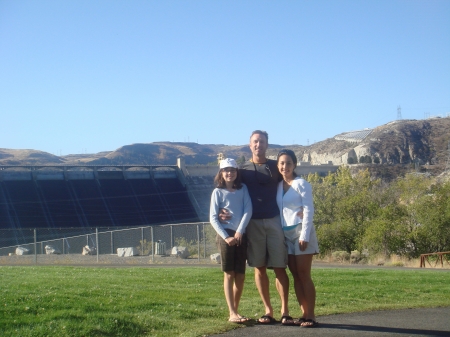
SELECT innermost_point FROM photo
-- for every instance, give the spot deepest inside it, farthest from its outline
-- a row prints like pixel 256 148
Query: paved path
pixel 407 322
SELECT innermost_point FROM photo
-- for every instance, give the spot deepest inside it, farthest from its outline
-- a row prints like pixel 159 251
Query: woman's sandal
pixel 310 323
pixel 287 320
pixel 299 321
pixel 239 320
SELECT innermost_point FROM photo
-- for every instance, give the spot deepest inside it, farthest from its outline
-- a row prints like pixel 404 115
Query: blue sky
pixel 90 76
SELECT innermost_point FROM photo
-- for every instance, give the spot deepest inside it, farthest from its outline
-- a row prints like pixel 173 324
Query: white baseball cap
pixel 228 162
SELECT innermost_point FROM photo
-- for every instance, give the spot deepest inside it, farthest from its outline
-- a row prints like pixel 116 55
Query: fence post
pixel 96 242
pixel 142 241
pixel 171 236
pixel 204 241
pixel 112 243
pixel 153 251
pixel 35 247
pixel 198 242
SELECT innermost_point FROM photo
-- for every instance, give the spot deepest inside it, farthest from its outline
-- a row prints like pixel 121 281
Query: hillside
pixel 400 144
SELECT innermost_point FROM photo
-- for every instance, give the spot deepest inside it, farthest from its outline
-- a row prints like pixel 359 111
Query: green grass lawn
pixel 185 301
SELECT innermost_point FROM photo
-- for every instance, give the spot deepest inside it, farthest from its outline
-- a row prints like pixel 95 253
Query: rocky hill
pixel 399 144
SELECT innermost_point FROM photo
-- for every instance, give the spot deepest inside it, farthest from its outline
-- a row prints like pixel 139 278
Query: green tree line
pixel 407 217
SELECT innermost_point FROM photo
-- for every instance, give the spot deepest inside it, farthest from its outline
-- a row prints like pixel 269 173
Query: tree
pixel 240 160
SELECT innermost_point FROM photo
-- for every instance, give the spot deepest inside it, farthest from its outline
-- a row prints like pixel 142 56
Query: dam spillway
pixel 87 197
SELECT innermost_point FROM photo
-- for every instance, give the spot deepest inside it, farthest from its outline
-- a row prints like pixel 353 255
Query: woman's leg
pixel 307 290
pixel 292 263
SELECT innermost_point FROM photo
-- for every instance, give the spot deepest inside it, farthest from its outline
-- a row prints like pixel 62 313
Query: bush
pixel 340 256
pixel 145 247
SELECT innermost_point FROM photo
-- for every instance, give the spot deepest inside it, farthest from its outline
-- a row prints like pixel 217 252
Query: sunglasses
pixel 263 178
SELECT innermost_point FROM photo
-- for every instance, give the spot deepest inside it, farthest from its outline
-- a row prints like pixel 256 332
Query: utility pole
pixel 399 113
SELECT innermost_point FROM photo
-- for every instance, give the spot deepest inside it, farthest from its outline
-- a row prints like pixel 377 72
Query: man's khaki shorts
pixel 266 245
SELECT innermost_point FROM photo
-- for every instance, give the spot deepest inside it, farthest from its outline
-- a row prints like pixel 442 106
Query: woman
pixel 294 196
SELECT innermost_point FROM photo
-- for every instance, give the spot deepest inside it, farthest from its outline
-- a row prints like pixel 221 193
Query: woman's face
pixel 286 166
pixel 229 174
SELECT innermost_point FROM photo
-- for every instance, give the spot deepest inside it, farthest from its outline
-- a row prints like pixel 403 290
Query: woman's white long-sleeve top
pixel 239 205
pixel 298 196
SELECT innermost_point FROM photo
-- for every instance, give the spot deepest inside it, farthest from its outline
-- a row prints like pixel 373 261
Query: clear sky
pixel 89 76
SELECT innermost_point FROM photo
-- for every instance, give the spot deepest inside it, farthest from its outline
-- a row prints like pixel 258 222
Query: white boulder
pixel 51 250
pixel 22 251
pixel 89 250
pixel 180 251
pixel 127 251
pixel 215 257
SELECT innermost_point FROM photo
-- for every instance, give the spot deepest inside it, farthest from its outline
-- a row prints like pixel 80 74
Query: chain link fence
pixel 86 246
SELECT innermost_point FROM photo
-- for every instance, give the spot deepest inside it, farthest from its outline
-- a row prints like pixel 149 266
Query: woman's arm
pixel 305 190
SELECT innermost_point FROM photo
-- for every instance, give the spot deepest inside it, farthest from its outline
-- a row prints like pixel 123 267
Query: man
pixel 266 246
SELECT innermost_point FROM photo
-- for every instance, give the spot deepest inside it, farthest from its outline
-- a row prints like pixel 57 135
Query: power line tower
pixel 399 113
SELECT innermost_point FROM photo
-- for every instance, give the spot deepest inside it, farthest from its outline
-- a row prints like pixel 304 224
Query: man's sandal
pixel 267 319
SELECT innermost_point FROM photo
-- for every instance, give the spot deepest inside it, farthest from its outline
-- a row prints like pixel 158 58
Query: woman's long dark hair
pixel 220 182
pixel 291 154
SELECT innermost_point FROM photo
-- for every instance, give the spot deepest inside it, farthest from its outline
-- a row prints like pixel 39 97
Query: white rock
pixel 89 250
pixel 180 251
pixel 216 257
pixel 51 250
pixel 22 251
pixel 128 251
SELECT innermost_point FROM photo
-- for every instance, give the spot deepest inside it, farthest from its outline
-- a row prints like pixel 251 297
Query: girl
pixel 231 240
pixel 294 196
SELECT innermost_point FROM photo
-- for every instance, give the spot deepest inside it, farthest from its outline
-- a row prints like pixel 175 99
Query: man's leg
pixel 262 283
pixel 282 283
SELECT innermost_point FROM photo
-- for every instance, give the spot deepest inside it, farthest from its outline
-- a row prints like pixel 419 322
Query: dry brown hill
pixel 400 144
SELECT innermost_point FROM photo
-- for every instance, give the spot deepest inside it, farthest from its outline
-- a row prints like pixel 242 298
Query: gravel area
pixel 104 259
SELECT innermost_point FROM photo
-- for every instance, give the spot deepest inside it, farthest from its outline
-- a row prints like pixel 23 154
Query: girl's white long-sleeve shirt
pixel 298 196
pixel 239 205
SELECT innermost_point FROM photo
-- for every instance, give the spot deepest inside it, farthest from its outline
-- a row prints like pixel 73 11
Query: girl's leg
pixel 238 289
pixel 228 285
pixel 307 290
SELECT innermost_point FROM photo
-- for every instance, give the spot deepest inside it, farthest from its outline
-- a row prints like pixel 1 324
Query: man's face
pixel 258 145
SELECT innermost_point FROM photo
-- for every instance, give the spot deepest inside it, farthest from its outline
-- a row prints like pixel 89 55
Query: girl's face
pixel 229 174
pixel 286 166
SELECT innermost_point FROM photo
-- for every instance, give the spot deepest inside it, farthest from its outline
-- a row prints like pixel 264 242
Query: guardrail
pixel 440 258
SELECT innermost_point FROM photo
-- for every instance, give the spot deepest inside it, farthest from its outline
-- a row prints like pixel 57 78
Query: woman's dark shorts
pixel 234 258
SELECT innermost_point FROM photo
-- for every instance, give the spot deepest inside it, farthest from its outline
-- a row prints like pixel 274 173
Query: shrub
pixel 145 247
pixel 340 256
